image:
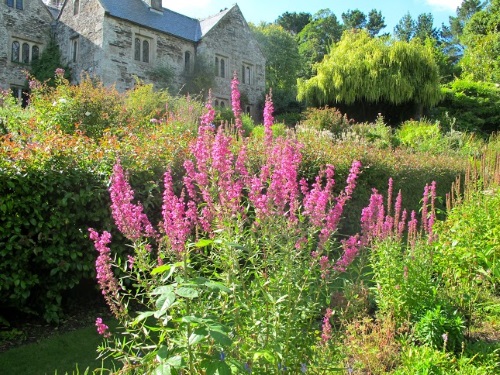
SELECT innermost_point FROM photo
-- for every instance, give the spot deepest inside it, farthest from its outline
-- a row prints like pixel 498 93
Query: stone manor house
pixel 118 40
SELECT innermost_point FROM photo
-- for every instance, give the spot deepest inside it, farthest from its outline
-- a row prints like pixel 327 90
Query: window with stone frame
pixel 187 62
pixel 24 51
pixel 20 94
pixel 246 73
pixel 145 51
pixel 19 4
pixel 16 51
pixel 223 68
pixel 35 53
pixel 10 3
pixel 216 66
pixel 76 7
pixel 74 46
pixel 142 48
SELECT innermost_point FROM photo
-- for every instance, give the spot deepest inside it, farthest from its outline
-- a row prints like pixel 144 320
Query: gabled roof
pixel 206 24
pixel 169 22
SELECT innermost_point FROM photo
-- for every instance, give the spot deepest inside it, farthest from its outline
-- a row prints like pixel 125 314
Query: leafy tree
pixel 294 22
pixel 481 38
pixel 43 68
pixel 424 27
pixel 282 63
pixel 376 22
pixel 405 29
pixel 371 73
pixel 451 34
pixel 316 38
pixel 354 19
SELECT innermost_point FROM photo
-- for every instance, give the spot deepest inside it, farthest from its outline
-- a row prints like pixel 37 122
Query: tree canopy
pixel 294 22
pixel 481 37
pixel 364 69
pixel 315 39
pixel 283 63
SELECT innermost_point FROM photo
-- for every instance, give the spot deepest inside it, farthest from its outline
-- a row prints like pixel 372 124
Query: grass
pixel 58 354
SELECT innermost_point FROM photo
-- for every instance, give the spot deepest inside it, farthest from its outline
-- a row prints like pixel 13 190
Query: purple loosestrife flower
pixel 60 72
pixel 324 265
pixel 107 282
pixel 179 217
pixel 268 119
pixel 207 120
pixel 102 328
pixel 412 229
pixel 326 333
pixel 425 203
pixel 229 187
pixel 257 194
pixel 129 218
pixel 335 213
pixel 351 248
pixel 432 214
pixel 397 214
pixel 372 218
pixel 235 101
pixel 316 200
pixel 389 196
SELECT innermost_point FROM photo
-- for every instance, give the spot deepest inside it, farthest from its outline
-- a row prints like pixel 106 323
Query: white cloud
pixel 444 4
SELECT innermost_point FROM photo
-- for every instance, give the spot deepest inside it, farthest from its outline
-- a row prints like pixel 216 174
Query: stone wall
pixel 232 39
pixel 165 52
pixel 80 38
pixel 31 26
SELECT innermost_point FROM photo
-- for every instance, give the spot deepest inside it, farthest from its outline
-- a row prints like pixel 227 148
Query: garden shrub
pixel 440 329
pixel 43 210
pixel 473 106
pixel 220 249
pixel 290 119
pixel 423 136
pixel 378 133
pixel 326 118
pixel 88 107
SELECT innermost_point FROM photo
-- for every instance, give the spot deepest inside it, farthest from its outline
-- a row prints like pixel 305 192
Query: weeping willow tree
pixel 373 74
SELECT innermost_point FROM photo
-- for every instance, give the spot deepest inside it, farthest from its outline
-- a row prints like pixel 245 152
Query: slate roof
pixel 169 22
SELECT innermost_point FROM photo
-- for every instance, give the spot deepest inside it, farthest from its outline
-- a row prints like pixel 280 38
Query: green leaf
pixel 163 289
pixel 165 301
pixel 218 368
pixel 268 356
pixel 220 338
pixel 142 316
pixel 163 369
pixel 214 285
pixel 197 336
pixel 203 243
pixel 186 292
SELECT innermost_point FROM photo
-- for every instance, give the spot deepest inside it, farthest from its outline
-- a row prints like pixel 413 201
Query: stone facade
pixel 25 27
pixel 119 40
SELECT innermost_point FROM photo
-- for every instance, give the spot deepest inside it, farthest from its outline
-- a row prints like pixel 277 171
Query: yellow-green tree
pixel 374 73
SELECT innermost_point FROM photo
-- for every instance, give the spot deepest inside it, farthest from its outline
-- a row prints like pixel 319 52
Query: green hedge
pixel 470 106
pixel 44 247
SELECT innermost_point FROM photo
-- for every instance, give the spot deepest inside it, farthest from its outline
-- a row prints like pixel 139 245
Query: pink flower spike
pixel 268 119
pixel 207 120
pixel 129 217
pixel 235 101
pixel 102 328
pixel 326 331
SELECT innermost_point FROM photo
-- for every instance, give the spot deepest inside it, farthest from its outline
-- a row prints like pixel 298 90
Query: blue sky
pixel 268 10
